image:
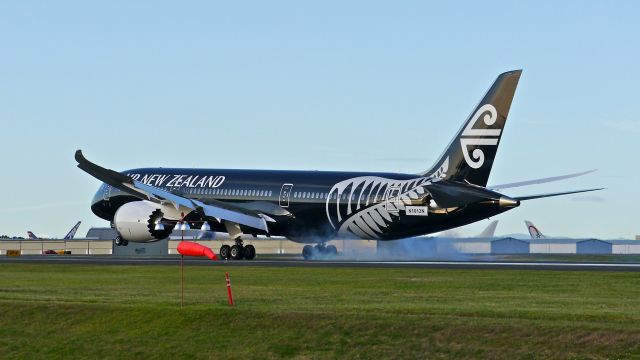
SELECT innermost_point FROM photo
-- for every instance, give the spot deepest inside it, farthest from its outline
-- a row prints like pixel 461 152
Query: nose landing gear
pixel 238 251
pixel 319 252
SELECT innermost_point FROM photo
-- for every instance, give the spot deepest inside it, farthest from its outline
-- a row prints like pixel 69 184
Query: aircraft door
pixel 285 193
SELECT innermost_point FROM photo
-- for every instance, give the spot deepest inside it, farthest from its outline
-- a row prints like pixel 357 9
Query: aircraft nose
pixel 98 196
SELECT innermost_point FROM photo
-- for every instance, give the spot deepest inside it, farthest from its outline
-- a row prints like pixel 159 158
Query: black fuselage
pixel 313 206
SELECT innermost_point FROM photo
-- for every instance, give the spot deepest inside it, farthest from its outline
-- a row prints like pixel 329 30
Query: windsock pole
pixel 182 270
pixel 226 274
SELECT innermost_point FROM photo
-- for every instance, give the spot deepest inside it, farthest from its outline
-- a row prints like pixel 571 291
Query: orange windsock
pixel 192 249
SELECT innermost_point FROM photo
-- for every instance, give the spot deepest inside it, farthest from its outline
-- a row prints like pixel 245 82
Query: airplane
pixel 533 231
pixel 315 207
pixel 536 234
pixel 487 233
pixel 70 235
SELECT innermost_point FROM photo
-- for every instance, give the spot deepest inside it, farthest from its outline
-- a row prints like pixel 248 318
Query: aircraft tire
pixel 307 252
pixel 236 252
pixel 249 252
pixel 225 251
pixel 117 241
pixel 125 243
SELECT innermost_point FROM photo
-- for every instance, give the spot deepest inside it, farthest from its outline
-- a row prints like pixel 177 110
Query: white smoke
pixel 410 249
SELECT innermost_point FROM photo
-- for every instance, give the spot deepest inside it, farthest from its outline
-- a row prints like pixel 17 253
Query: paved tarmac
pixel 292 262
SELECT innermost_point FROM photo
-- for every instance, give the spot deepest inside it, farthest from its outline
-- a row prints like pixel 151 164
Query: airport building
pixel 99 241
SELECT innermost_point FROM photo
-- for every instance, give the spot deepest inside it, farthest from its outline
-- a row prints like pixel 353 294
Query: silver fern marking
pixel 365 206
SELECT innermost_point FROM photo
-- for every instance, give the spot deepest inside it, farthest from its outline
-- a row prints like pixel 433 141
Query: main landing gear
pixel 320 251
pixel 120 241
pixel 238 251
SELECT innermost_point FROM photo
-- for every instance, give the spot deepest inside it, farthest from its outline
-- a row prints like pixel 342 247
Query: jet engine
pixel 136 221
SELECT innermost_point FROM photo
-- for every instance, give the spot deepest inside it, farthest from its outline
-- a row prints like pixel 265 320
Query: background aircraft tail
pixel 469 157
pixel 533 230
pixel 31 235
pixel 490 231
pixel 72 233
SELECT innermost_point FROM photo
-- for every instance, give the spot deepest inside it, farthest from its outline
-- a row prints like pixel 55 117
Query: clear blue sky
pixel 376 86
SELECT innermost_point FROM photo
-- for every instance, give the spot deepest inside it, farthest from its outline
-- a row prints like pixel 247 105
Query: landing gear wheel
pixel 331 251
pixel 125 242
pixel 307 252
pixel 249 252
pixel 118 241
pixel 225 252
pixel 236 252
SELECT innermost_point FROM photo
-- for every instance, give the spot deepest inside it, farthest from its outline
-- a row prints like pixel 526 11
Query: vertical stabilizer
pixel 533 230
pixel 490 231
pixel 72 233
pixel 469 157
pixel 31 236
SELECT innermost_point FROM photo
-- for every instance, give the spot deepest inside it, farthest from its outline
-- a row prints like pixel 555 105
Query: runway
pixel 435 264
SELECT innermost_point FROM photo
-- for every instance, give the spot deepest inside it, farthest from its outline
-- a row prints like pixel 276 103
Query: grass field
pixel 77 311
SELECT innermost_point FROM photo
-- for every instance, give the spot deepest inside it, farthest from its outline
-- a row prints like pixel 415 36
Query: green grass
pixel 75 311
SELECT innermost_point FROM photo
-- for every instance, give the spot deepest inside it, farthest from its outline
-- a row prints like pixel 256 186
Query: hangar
pixel 509 246
pixel 594 246
pixel 99 241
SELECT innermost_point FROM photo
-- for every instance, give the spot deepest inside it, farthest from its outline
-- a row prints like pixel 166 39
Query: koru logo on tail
pixel 473 137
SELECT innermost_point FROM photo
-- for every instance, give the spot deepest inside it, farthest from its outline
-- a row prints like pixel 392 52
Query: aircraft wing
pixel 214 209
pixel 538 181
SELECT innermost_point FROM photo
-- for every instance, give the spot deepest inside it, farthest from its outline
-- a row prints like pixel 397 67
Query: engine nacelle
pixel 136 221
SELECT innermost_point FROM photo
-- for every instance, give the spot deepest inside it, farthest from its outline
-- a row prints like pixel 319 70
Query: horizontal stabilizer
pixel 539 181
pixel 531 197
